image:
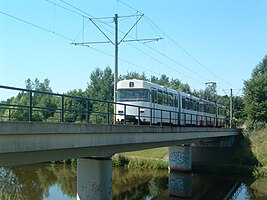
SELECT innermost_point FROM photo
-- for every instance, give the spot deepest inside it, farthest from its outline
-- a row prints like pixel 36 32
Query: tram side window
pixel 154 96
pixel 160 97
pixel 165 98
pixel 183 103
pixel 224 112
pixel 221 111
pixel 190 104
pixel 175 101
pixel 213 109
pixel 201 107
pixel 187 103
pixel 194 105
pixel 209 108
pixel 170 99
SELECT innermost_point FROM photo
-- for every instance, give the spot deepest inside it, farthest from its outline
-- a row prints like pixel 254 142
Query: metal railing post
pixel 138 115
pixel 9 114
pixel 150 116
pixel 170 117
pixel 108 112
pixel 62 108
pixel 160 117
pixel 124 113
pixel 30 111
pixel 179 118
pixel 87 112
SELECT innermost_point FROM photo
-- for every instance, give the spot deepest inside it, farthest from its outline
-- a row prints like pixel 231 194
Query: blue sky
pixel 207 40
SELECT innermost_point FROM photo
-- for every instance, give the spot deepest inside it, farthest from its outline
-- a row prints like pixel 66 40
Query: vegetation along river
pixel 53 181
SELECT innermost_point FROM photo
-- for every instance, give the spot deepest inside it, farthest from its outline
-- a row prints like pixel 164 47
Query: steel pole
pixel 116 64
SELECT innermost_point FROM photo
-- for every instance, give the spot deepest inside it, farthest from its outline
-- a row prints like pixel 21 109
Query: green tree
pixel 101 86
pixel 134 75
pixel 44 105
pixel 209 93
pixel 163 80
pixel 18 110
pixel 238 109
pixel 177 85
pixel 76 108
pixel 255 93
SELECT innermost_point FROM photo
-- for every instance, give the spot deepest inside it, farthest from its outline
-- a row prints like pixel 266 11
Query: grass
pixel 252 150
pixel 258 141
pixel 158 153
pixel 144 159
pixel 122 161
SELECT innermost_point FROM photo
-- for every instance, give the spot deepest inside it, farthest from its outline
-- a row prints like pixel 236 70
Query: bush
pixel 259 145
pixel 120 161
pixel 253 126
pixel 148 164
pixel 260 172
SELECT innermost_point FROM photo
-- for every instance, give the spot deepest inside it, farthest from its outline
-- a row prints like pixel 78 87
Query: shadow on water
pixel 46 182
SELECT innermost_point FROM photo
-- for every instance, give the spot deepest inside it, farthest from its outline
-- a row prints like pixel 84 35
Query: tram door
pixel 153 106
pixel 176 110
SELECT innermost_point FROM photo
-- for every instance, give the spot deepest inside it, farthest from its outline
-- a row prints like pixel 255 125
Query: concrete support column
pixel 180 158
pixel 94 178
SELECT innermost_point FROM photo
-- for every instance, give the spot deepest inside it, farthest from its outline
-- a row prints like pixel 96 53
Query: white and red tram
pixel 145 102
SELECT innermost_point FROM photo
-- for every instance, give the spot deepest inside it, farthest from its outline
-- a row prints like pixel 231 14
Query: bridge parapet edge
pixel 70 128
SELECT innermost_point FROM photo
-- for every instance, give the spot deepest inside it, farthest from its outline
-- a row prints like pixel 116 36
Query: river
pixel 53 182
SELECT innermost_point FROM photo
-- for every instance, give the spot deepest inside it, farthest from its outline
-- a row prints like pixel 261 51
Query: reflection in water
pixel 34 181
pixel 48 182
pixel 138 184
pixel 180 184
pixel 258 189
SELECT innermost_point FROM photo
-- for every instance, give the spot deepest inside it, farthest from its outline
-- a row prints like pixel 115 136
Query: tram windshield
pixel 133 95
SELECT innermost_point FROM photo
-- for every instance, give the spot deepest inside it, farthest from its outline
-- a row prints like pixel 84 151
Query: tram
pixel 143 102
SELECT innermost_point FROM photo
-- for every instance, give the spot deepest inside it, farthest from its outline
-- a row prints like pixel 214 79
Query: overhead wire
pixel 92 17
pixel 179 46
pixel 121 59
pixel 69 39
pixel 152 24
pixel 36 26
pixel 164 64
pixel 111 33
pixel 73 40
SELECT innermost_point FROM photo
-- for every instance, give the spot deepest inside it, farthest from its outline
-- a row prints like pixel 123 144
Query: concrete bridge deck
pixel 31 142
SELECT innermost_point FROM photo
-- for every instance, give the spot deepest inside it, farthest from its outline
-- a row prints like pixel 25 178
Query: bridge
pixel 45 133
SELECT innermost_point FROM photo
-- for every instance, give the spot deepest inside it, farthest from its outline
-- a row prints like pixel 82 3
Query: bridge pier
pixel 94 178
pixel 180 158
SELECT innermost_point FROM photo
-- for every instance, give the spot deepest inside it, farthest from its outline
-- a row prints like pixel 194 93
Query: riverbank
pixel 258 144
pixel 162 164
pixel 248 160
pixel 244 161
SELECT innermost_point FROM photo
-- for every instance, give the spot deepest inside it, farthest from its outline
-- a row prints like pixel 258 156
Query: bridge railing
pixel 32 105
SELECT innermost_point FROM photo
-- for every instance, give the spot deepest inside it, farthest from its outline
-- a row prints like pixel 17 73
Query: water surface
pixel 52 182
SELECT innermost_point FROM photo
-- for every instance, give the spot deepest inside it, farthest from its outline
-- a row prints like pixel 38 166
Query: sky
pixel 201 41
